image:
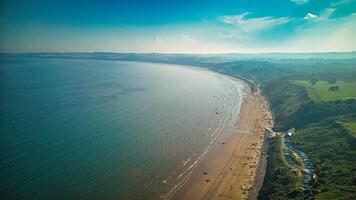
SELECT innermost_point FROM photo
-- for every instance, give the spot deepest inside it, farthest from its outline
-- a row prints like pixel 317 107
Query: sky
pixel 178 26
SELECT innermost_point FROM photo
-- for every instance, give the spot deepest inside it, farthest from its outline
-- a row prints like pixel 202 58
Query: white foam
pixel 232 110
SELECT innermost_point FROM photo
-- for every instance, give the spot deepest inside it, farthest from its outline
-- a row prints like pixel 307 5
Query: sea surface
pixel 91 129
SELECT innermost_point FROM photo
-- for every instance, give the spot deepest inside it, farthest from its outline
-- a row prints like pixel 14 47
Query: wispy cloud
pixel 341 2
pixel 299 1
pixel 253 24
pixel 327 13
pixel 175 37
pixel 312 32
pixel 184 43
pixel 235 35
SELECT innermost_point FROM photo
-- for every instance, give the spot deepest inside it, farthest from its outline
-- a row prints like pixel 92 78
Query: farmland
pixel 321 90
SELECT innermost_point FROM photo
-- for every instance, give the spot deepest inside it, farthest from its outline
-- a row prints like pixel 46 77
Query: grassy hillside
pixel 292 106
pixel 286 99
pixel 331 146
pixel 350 126
pixel 332 149
pixel 326 132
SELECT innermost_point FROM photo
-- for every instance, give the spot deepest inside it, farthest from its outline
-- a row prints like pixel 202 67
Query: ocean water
pixel 89 129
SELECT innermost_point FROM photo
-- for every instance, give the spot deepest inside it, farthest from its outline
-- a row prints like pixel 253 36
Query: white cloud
pixel 253 24
pixel 299 1
pixel 310 16
pixel 324 15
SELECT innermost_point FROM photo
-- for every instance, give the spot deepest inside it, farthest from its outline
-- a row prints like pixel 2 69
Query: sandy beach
pixel 229 172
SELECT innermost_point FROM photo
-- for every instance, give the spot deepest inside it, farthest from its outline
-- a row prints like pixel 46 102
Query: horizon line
pixel 170 53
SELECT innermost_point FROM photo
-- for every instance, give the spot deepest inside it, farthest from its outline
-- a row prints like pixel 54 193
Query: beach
pixel 234 168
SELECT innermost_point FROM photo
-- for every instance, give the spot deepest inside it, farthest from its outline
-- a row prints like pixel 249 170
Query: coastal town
pixel 298 161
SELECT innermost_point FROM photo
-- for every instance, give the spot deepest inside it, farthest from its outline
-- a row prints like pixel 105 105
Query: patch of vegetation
pixel 293 108
pixel 286 99
pixel 324 91
pixel 334 88
pixel 317 141
pixel 312 112
pixel 326 132
pixel 332 149
pixel 350 126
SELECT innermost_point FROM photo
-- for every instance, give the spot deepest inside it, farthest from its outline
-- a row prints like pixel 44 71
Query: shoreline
pixel 234 169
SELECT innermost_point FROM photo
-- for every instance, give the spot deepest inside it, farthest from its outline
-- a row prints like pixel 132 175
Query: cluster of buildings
pixel 288 156
pixel 307 169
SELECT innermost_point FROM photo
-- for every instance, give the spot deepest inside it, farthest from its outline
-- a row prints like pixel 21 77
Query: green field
pixel 320 91
pixel 351 126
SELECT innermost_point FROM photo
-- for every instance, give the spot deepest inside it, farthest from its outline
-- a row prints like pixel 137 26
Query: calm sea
pixel 88 129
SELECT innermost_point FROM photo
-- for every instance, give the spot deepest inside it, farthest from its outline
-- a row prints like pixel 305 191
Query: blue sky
pixel 178 26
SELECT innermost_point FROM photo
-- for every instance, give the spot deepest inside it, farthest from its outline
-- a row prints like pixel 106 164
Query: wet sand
pixel 229 172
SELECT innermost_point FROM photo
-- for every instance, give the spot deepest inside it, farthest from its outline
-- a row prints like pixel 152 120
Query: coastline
pixel 235 167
